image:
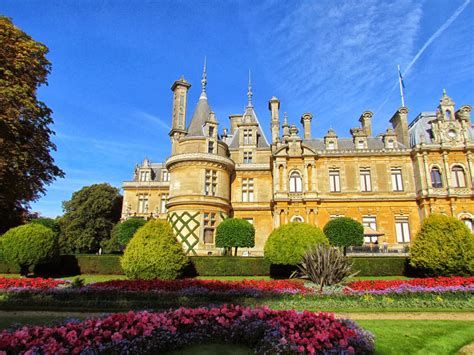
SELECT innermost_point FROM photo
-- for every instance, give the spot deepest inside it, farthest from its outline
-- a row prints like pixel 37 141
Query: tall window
pixel 334 181
pixel 397 181
pixel 371 222
pixel 166 175
pixel 142 203
pixel 209 226
pixel 144 175
pixel 295 182
pixel 210 147
pixel 365 181
pixel 247 190
pixel 211 131
pixel 164 200
pixel 210 186
pixel 458 177
pixel 247 157
pixel 402 230
pixel 248 139
pixel 436 181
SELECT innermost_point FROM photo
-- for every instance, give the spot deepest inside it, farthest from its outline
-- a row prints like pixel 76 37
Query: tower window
pixel 211 131
pixel 397 181
pixel 334 181
pixel 210 147
pixel 210 186
pixel 458 177
pixel 248 136
pixel 365 180
pixel 209 226
pixel 247 157
pixel 448 116
pixel 295 182
pixel 247 190
pixel 436 181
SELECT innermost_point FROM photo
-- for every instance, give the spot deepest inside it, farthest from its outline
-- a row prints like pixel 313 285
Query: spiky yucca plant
pixel 325 266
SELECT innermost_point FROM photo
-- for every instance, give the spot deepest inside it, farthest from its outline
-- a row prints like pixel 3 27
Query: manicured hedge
pixel 218 266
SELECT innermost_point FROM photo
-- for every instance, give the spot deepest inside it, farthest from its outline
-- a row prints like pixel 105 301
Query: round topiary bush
pixel 154 253
pixel 288 243
pixel 344 232
pixel 124 231
pixel 235 233
pixel 443 246
pixel 29 245
pixel 47 222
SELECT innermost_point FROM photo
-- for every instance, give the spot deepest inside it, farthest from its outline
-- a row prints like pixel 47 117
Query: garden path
pixel 469 316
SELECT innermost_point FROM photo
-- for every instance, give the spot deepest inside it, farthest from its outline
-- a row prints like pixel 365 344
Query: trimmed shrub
pixel 154 253
pixel 235 233
pixel 443 246
pixel 380 265
pixel 29 245
pixel 47 222
pixel 344 232
pixel 228 266
pixel 288 243
pixel 124 231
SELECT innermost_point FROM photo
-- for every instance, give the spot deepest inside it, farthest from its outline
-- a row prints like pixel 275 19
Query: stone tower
pixel 200 176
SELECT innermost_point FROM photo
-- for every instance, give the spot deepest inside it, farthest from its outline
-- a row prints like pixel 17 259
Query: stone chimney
pixel 366 122
pixel 306 122
pixel 399 123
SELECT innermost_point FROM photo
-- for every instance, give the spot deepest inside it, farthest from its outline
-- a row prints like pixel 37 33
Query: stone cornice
pixel 200 157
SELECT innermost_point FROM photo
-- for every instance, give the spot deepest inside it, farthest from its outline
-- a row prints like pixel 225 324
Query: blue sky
pixel 115 61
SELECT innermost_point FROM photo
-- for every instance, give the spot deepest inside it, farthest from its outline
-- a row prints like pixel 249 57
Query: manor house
pixel 388 182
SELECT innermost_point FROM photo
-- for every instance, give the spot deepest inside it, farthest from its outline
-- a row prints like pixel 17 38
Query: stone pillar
pixel 470 168
pixel 447 171
pixel 285 179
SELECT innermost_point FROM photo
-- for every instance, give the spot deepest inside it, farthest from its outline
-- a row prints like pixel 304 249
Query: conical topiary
pixel 154 253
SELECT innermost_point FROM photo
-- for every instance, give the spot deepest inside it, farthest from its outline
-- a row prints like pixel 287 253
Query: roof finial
pixel 444 92
pixel 285 119
pixel 249 93
pixel 204 81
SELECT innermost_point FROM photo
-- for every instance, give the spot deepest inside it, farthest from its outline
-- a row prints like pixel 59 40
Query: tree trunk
pixel 235 253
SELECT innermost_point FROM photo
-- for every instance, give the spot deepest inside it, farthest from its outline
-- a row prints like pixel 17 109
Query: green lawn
pixel 392 336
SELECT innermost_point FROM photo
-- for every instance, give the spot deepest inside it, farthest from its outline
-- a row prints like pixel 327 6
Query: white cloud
pixel 152 118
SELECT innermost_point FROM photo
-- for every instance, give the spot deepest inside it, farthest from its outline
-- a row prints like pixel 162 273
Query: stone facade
pixel 389 182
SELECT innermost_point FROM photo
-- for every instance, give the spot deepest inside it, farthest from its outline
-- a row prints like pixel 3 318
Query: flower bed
pixel 262 329
pixel 438 284
pixel 31 283
pixel 194 286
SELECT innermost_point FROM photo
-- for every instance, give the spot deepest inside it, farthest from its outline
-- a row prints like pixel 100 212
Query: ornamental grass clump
pixel 288 243
pixel 444 246
pixel 326 266
pixel 235 233
pixel 29 245
pixel 154 253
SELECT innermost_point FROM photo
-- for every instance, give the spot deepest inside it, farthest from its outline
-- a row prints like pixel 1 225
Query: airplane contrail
pixel 430 40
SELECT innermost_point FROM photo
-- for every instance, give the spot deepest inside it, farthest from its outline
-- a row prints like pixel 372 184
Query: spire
pixel 204 82
pixel 249 93
pixel 285 119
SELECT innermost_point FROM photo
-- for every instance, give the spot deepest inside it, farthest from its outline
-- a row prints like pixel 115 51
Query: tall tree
pixel 89 218
pixel 26 164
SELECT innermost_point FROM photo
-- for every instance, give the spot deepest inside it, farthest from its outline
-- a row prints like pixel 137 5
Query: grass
pixel 392 336
pixel 419 337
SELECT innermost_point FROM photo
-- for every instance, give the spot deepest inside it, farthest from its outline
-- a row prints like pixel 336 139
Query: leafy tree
pixel 288 243
pixel 26 164
pixel 235 233
pixel 47 222
pixel 344 232
pixel 443 246
pixel 125 230
pixel 29 245
pixel 154 253
pixel 89 217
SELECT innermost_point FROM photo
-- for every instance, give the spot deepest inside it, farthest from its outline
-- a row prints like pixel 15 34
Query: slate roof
pixel 200 116
pixel 262 141
pixel 373 143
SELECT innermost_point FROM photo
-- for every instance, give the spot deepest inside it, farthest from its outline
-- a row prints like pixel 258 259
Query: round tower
pixel 200 176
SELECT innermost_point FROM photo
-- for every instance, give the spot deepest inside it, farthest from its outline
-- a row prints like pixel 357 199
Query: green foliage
pixel 380 265
pixel 26 164
pixel 154 253
pixel 325 266
pixel 47 222
pixel 288 243
pixel 443 246
pixel 229 266
pixel 89 218
pixel 124 231
pixel 29 245
pixel 235 233
pixel 344 232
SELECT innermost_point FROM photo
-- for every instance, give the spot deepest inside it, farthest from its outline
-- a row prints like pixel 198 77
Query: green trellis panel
pixel 186 226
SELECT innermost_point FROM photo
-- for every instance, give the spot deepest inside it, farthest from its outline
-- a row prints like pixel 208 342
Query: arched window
pixel 458 176
pixel 468 222
pixel 295 182
pixel 447 115
pixel 297 219
pixel 436 181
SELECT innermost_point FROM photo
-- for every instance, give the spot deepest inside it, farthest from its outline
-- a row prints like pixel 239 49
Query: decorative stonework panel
pixel 186 228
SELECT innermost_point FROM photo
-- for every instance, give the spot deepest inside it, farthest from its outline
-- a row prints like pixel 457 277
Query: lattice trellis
pixel 186 226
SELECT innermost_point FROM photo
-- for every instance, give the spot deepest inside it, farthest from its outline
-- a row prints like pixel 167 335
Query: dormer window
pixel 144 176
pixel 165 176
pixel 390 144
pixel 360 144
pixel 248 136
pixel 448 115
pixel 331 145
